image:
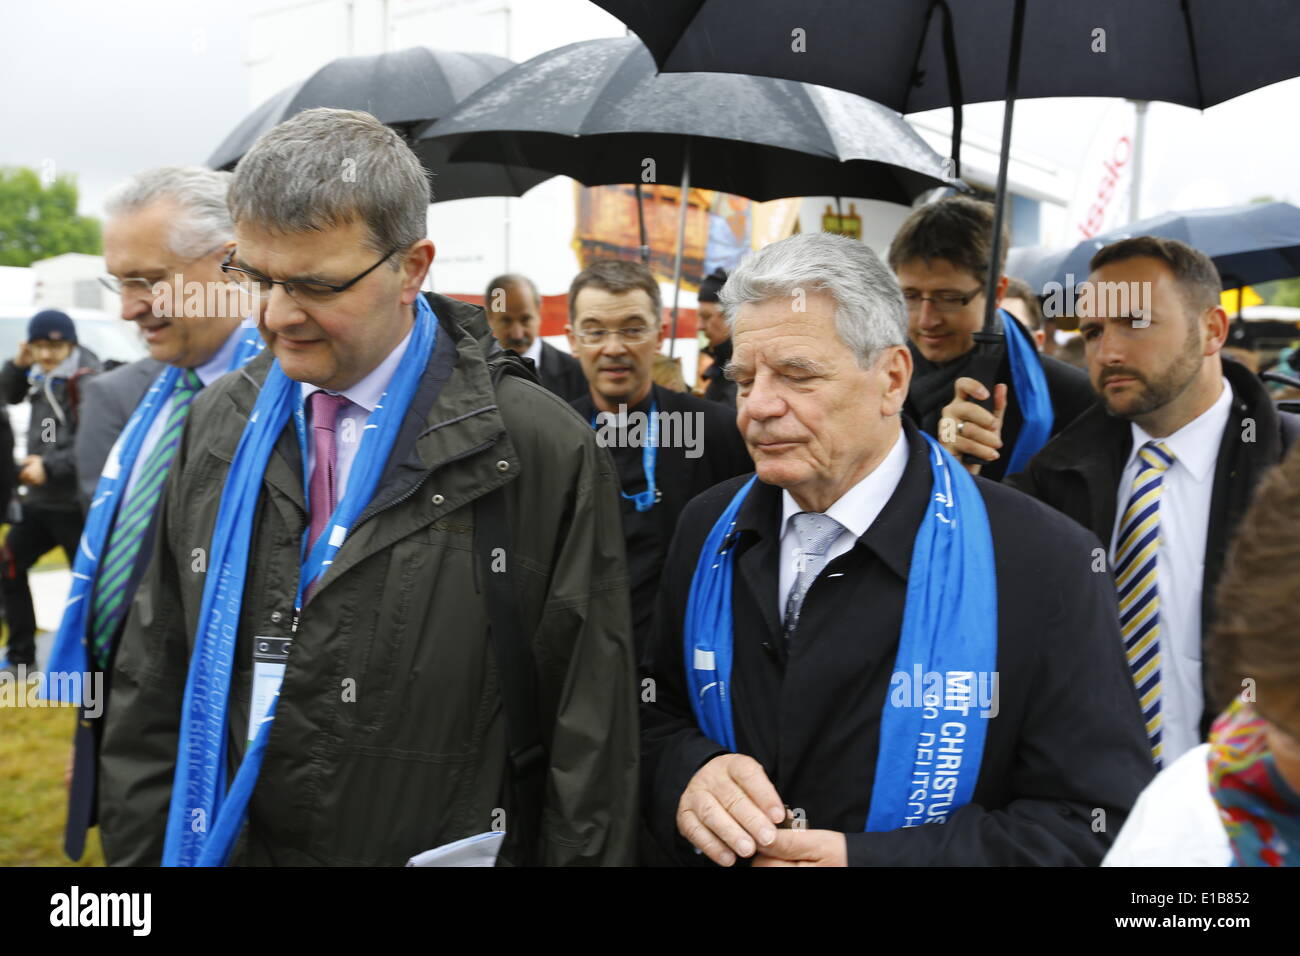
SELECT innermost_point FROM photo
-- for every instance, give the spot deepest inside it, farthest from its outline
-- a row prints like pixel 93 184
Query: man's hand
pixel 805 848
pixel 965 428
pixel 729 808
pixel 33 471
pixel 24 357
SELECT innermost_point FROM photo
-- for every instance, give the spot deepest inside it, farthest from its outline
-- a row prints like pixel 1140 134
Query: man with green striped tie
pixel 166 234
pixel 1164 467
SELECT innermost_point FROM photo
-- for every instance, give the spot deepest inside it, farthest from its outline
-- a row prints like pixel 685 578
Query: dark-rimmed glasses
pixel 940 301
pixel 256 284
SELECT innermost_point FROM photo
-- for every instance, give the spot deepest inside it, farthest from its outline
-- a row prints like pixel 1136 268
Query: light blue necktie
pixel 816 532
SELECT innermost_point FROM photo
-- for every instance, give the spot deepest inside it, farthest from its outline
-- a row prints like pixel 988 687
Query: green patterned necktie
pixel 110 600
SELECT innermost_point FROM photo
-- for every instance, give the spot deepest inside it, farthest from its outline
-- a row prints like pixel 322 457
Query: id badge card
pixel 270 655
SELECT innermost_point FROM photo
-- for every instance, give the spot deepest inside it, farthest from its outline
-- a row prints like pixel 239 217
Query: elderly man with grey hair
pixel 166 233
pixel 860 638
pixel 387 617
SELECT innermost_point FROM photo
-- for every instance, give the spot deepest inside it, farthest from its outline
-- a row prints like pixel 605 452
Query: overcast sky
pixel 104 89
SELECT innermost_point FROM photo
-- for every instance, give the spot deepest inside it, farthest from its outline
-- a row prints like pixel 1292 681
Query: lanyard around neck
pixel 644 500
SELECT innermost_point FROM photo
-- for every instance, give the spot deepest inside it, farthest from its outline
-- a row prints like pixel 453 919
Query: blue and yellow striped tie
pixel 1135 575
pixel 110 601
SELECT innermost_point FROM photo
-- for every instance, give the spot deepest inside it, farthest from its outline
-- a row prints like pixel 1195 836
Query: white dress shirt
pixel 856 509
pixel 208 372
pixel 364 396
pixel 1175 821
pixel 534 352
pixel 1184 515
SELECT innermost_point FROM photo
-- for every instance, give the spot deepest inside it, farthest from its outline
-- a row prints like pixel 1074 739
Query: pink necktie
pixel 325 410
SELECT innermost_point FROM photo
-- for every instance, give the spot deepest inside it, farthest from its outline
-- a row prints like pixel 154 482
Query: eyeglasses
pixel 142 286
pixel 256 284
pixel 132 284
pixel 940 301
pixel 630 335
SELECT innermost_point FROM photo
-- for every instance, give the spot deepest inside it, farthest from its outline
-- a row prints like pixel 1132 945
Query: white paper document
pixel 478 850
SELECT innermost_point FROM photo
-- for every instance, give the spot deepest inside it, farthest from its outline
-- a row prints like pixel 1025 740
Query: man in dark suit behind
pixel 1154 333
pixel 514 312
pixel 166 228
pixel 615 328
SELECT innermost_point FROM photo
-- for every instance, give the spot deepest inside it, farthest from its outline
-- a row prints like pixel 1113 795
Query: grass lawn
pixel 34 745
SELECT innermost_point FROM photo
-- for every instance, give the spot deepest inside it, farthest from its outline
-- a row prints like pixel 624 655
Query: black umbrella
pixel 598 112
pixel 912 55
pixel 1249 244
pixel 406 90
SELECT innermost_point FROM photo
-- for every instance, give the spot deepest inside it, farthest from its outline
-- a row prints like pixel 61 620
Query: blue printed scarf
pixel 1035 401
pixel 204 820
pixel 931 744
pixel 70 657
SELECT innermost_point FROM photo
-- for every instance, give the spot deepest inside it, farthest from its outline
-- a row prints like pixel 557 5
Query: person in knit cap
pixel 45 372
pixel 714 325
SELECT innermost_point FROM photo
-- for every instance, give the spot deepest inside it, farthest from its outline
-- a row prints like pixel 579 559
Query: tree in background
pixel 39 219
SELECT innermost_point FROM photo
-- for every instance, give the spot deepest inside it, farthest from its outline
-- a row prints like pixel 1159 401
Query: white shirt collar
pixel 219 364
pixel 858 507
pixel 1196 444
pixel 370 389
pixel 534 352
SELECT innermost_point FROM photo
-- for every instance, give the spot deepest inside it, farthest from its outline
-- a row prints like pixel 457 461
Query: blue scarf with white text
pixel 931 739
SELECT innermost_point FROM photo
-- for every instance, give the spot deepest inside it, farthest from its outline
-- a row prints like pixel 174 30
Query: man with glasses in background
pixel 166 232
pixel 382 546
pixel 668 446
pixel 941 258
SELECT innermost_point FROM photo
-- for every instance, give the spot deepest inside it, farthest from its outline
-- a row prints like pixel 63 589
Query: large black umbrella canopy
pixel 1249 244
pixel 405 89
pixel 1191 52
pixel 914 55
pixel 598 111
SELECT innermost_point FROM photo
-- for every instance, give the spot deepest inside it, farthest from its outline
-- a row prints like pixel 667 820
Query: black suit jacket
pixel 1067 739
pixel 1078 473
pixel 679 478
pixel 562 373
pixel 107 403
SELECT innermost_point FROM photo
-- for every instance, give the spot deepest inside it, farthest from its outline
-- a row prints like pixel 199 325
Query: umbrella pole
pixel 640 221
pixel 681 243
pixel 1139 140
pixel 1000 198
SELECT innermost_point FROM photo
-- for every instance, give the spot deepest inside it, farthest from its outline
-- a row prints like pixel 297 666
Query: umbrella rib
pixel 699 8
pixel 1191 46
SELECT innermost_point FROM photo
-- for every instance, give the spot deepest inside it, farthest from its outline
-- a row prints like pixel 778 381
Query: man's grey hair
pixel 203 222
pixel 869 312
pixel 325 168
